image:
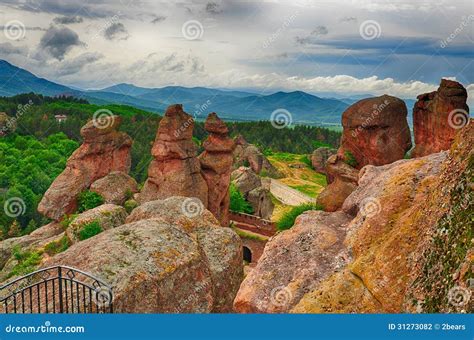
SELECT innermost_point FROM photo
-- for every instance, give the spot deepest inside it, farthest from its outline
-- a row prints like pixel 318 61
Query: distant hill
pixel 231 105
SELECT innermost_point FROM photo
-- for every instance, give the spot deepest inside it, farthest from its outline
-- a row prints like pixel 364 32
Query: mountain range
pixel 305 108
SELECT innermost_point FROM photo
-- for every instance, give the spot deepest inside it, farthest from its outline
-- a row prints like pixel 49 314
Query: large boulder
pixel 342 179
pixel 319 157
pixel 293 262
pixel 164 260
pixel 115 188
pixel 175 169
pixel 438 116
pixel 249 155
pixel 104 150
pixel 375 131
pixel 106 215
pixel 255 190
pixel 216 165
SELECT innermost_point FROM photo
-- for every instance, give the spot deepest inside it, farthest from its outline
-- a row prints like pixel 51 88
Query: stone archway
pixel 247 254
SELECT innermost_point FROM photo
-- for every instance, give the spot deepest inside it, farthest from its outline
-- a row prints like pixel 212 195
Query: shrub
pixel 305 159
pixel 27 261
pixel 349 159
pixel 238 202
pixel 130 205
pixel 90 230
pixel 67 219
pixel 288 219
pixel 56 247
pixel 88 200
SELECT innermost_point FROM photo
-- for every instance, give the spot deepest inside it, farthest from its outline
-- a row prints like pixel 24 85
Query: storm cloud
pixel 58 41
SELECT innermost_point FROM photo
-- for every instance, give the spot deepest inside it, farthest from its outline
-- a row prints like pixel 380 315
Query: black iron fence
pixel 57 289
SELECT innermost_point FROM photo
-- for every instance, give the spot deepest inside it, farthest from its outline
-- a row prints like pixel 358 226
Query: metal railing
pixel 57 289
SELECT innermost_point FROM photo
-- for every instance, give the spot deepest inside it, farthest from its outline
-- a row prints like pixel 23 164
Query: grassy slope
pixel 297 174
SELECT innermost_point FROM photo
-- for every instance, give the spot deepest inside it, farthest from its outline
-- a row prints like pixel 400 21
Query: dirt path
pixel 287 195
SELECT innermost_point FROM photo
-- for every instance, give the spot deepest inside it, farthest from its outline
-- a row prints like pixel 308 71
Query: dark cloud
pixel 68 20
pixel 158 19
pixel 213 8
pixel 116 31
pixel 58 41
pixel 67 8
pixel 312 38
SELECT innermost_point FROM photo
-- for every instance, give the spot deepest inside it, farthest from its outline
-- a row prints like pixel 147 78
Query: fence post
pixel 60 276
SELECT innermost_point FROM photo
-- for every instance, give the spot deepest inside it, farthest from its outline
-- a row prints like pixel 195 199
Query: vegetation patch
pixel 287 220
pixel 56 247
pixel 237 201
pixel 89 200
pixel 89 230
pixel 349 159
pixel 27 260
pixel 249 235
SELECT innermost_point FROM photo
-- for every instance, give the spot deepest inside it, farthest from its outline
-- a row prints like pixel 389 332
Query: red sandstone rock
pixel 104 150
pixel 437 117
pixel 175 170
pixel 342 179
pixel 376 131
pixel 216 164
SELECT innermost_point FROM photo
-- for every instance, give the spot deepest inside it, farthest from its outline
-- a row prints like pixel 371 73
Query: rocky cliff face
pixel 438 116
pixel 404 220
pixel 216 164
pixel 104 150
pixel 319 158
pixel 375 132
pixel 175 169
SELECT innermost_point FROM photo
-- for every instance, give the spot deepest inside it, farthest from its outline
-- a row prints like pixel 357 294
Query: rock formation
pixel 375 132
pixel 115 188
pixel 438 116
pixel 249 155
pixel 104 150
pixel 7 124
pixel 319 158
pixel 396 253
pixel 342 181
pixel 254 191
pixel 216 165
pixel 293 262
pixel 108 216
pixel 164 260
pixel 175 169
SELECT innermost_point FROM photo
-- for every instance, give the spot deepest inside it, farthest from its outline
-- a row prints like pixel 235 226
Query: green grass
pixel 56 247
pixel 288 219
pixel 28 261
pixel 90 230
pixel 250 236
pixel 310 190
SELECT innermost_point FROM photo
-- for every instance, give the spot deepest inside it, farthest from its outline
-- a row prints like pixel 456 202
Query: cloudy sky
pixel 342 46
